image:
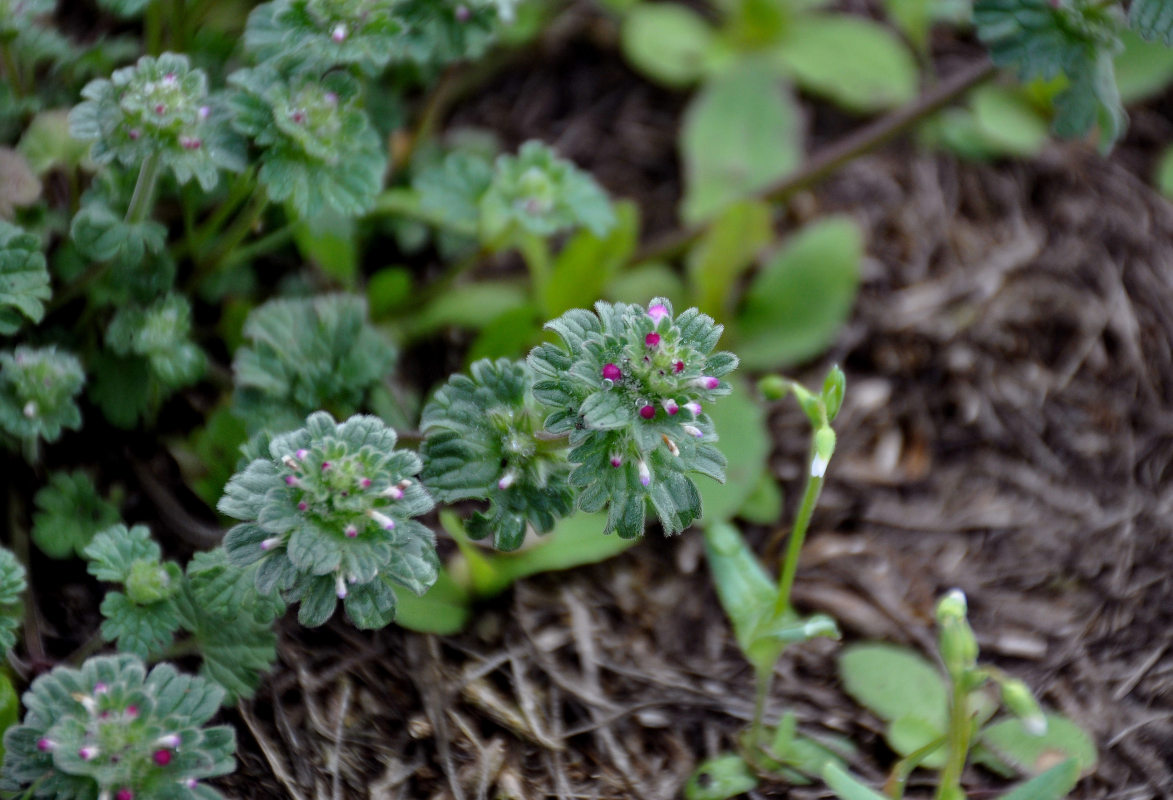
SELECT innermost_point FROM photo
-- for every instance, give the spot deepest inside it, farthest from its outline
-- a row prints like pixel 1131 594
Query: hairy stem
pixel 143 198
pixel 835 156
pixel 236 233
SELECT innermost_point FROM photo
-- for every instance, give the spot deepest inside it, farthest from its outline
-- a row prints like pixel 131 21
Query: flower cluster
pixel 159 107
pixel 328 514
pixel 318 147
pixel 110 730
pixel 37 390
pixel 628 388
pixel 482 442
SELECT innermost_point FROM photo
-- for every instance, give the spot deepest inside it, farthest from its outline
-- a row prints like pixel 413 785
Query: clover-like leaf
pixel 160 333
pixel 69 512
pixel 482 442
pixel 113 552
pixel 626 387
pixel 318 148
pixel 158 108
pixel 538 193
pixel 1041 40
pixel 329 510
pixel 37 391
pixel 109 729
pixel 24 280
pixel 302 355
pixel 12 586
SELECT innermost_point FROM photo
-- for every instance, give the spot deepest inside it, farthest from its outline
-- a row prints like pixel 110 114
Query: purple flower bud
pixel 101 688
pixel 171 740
pixel 160 109
pixel 298 116
pixel 678 367
pixel 693 407
pixel 87 753
pixel 134 133
pixel 616 460
pixel 190 143
pixel 45 744
pixel 190 783
pixel 302 452
pixel 647 411
pixel 169 78
pixel 131 711
pixel 670 406
pixel 292 481
pixel 340 587
pixel 693 430
pixel 332 98
pixel 612 372
pixel 657 313
pixel 302 505
pixel 338 34
pixel 351 531
pixel 325 466
pixel 161 757
pixel 291 462
pixel 270 543
pixel 394 492
pixel 645 474
pixel 204 112
pixel 365 483
pixel 706 382
pixel 507 480
pixel 652 339
pixel 381 519
pixel 463 14
pixel 124 794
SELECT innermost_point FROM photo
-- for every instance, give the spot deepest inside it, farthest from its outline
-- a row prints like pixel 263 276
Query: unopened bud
pixel 45 744
pixel 645 474
pixel 693 430
pixel 647 411
pixel 652 339
pixel 381 519
pixel 773 387
pixel 678 367
pixel 364 483
pixel 657 312
pixel 706 382
pixel 124 793
pixel 161 757
pixel 612 372
pixel 1017 697
pixel 338 34
pixel 270 543
pixel 292 481
pixel 693 407
pixel 506 480
pixel 671 445
pixel 351 531
pixel 616 460
pixel 171 740
pixel 87 753
pixel 30 410
pixel 340 587
pixel 670 406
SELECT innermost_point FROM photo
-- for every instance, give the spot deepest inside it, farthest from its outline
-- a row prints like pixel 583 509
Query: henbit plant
pixel 38 388
pixel 111 731
pixel 69 512
pixel 942 724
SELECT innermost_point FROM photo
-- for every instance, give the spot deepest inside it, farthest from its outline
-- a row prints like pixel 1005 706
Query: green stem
pixel 810 497
pixel 261 246
pixel 764 679
pixel 153 27
pixel 11 68
pixel 143 198
pixel 898 777
pixel 536 253
pixel 241 188
pixel 236 233
pixel 959 727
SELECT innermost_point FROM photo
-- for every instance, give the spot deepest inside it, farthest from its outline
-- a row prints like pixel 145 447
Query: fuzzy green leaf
pixel 113 552
pixel 102 235
pixel 1028 752
pixel 667 42
pixel 12 586
pixel 145 630
pixel 69 512
pixel 161 333
pixel 24 280
pixel 1152 19
pixel 894 682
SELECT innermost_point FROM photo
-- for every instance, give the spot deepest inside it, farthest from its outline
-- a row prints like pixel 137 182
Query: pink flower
pixel 612 372
pixel 161 757
pixel 652 339
pixel 616 460
pixel 693 407
pixel 124 794
pixel 657 313
pixel 647 411
pixel 678 367
pixel 706 382
pixel 670 406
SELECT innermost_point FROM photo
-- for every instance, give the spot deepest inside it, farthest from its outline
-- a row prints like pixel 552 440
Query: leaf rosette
pixel 328 514
pixel 111 730
pixel 326 33
pixel 302 355
pixel 628 388
pixel 483 443
pixel 537 192
pixel 37 391
pixel 159 107
pixel 318 147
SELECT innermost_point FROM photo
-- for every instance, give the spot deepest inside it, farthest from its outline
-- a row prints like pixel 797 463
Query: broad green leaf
pixel 763 506
pixel 668 42
pixel 1053 784
pixel 1006 118
pixel 740 423
pixel 654 279
pixel 472 305
pixel 908 733
pixel 1164 176
pixel 237 649
pixel 69 512
pixel 24 280
pixel 746 592
pixel 143 630
pixel 803 295
pixel 46 143
pixel 113 552
pixel 726 250
pixel 742 132
pixel 1152 19
pixel 853 62
pixel 444 610
pixel 913 18
pixel 387 290
pixel 327 239
pixel 1143 69
pixel 587 262
pixel 846 786
pixel 720 778
pixel 12 585
pixel 1010 741
pixel 894 682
